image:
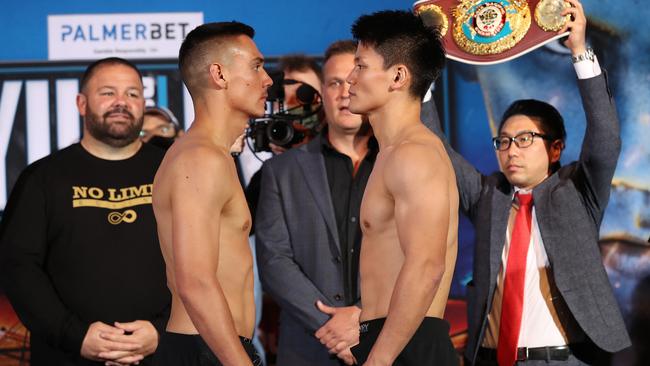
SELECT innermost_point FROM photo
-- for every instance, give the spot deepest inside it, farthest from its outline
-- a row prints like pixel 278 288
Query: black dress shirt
pixel 346 188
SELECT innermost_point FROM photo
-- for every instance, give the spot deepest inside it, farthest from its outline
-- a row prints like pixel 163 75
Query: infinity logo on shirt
pixel 127 216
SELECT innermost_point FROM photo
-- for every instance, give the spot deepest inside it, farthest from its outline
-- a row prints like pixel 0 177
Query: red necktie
pixel 513 290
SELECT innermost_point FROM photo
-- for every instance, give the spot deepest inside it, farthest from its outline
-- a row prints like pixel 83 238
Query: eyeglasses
pixel 522 140
pixel 167 130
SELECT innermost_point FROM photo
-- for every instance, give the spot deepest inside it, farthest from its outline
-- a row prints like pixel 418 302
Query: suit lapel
pixel 501 203
pixel 541 196
pixel 312 165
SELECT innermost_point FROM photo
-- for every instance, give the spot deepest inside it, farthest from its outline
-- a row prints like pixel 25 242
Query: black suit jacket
pixel 298 250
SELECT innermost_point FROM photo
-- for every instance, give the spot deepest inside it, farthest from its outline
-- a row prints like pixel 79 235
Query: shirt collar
pixel 326 146
pixel 526 191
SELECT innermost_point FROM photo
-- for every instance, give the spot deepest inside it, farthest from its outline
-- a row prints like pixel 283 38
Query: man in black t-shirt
pixel 79 255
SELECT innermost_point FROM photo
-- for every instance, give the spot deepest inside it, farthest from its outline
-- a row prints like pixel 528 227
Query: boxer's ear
pixel 401 77
pixel 217 76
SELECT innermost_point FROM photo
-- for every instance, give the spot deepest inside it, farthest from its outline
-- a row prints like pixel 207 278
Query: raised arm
pixel 201 187
pixel 602 142
pixel 601 145
pixel 419 184
pixel 281 276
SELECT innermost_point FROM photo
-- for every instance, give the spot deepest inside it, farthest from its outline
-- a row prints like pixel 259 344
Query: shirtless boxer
pixel 203 220
pixel 409 213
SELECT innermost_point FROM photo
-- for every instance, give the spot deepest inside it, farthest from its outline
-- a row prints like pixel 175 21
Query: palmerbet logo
pixel 135 35
pixel 123 31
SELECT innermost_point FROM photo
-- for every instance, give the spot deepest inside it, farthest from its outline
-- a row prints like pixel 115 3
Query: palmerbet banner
pixel 38 114
pixel 134 35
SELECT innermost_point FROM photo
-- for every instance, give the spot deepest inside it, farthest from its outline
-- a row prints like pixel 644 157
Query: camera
pixel 276 131
pixel 283 127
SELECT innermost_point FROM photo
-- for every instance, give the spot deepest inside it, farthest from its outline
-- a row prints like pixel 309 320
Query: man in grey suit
pixel 540 294
pixel 308 233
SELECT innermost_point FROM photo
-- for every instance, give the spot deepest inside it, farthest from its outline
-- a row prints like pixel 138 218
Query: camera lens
pixel 280 132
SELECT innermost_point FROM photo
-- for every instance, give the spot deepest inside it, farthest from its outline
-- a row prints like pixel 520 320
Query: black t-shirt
pixel 79 244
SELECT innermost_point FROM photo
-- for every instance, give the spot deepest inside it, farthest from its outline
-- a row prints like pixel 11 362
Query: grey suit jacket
pixel 569 206
pixel 298 250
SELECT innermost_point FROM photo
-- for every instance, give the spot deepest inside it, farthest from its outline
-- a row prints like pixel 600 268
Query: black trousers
pixel 430 344
pixel 176 349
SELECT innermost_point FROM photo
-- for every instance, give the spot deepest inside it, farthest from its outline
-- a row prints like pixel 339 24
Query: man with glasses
pixel 160 121
pixel 540 292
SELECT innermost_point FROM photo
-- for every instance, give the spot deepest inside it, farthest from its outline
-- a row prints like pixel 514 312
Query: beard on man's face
pixel 114 134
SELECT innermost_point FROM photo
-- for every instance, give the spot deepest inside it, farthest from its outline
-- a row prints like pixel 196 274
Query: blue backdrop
pixel 282 26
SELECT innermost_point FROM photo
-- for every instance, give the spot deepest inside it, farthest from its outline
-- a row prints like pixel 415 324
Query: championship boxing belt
pixel 484 32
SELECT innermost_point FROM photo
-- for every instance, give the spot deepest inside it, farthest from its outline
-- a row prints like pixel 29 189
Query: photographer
pixel 160 127
pixel 295 119
pixel 308 232
pixel 297 69
pixel 298 93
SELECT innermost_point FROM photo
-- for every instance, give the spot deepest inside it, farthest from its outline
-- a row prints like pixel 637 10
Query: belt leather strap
pixel 558 353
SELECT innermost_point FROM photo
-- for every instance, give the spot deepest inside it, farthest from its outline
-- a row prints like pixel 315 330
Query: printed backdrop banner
pixel 38 114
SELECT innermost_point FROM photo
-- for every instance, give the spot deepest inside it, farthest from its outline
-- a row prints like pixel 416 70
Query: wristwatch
pixel 587 55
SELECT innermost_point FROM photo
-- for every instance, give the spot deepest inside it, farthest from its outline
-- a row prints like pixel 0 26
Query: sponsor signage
pixel 132 35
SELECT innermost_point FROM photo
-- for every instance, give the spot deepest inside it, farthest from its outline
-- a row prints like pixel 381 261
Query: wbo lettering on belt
pixel 484 32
